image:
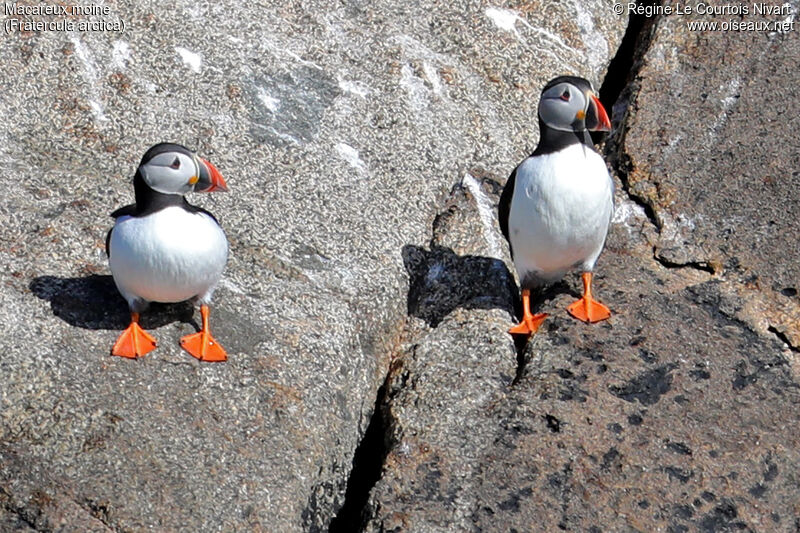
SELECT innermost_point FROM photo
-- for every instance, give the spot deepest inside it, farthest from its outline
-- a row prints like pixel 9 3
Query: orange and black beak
pixel 596 116
pixel 209 179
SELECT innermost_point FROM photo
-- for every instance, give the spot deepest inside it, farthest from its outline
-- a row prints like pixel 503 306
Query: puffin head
pixel 173 169
pixel 569 103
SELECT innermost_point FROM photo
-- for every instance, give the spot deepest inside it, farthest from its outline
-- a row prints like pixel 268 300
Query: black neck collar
pixel 149 200
pixel 552 140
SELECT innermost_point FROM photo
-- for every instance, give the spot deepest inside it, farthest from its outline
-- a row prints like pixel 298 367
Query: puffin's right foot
pixel 530 323
pixel 134 342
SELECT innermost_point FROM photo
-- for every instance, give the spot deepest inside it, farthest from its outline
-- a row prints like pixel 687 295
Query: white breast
pixel 169 256
pixel 560 212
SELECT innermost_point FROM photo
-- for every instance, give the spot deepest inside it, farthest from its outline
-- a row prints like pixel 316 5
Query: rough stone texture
pixel 444 387
pixel 665 420
pixel 710 146
pixel 339 127
pixel 681 412
pixel 675 415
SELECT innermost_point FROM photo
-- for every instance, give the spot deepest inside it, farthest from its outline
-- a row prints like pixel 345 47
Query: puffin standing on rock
pixel 557 204
pixel 163 249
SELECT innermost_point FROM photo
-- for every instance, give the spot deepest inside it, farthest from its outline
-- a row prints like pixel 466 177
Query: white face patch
pixel 171 173
pixel 560 106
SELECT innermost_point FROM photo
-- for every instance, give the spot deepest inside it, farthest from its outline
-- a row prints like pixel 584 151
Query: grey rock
pixel 664 417
pixel 288 108
pixel 717 164
pixel 339 127
pixel 441 397
pixel 572 452
pixel 458 363
pixel 680 412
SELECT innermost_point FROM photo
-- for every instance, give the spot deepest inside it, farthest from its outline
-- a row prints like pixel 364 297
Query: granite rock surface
pixel 371 384
pixel 340 128
pixel 680 413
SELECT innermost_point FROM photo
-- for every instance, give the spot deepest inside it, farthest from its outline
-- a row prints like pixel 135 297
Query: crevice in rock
pixel 623 166
pixel 37 514
pixel 100 511
pixel 620 88
pixel 783 338
pixel 520 345
pixel 368 462
pixel 703 266
pixel 626 63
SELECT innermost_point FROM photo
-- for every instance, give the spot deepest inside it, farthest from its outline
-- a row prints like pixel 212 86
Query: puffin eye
pixel 176 164
pixel 565 95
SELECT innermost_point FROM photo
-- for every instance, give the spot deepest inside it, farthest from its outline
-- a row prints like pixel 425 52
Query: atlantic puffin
pixel 557 204
pixel 163 249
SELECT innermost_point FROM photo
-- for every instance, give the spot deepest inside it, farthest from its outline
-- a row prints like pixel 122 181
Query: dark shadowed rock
pixel 646 388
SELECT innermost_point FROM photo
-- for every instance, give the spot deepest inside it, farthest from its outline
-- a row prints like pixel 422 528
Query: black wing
pixel 108 242
pixel 504 207
pixel 129 210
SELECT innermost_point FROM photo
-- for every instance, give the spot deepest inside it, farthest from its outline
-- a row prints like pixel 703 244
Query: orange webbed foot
pixel 587 308
pixel 204 347
pixel 202 344
pixel 590 311
pixel 134 342
pixel 529 324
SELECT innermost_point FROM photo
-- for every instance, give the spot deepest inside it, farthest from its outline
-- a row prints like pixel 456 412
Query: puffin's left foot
pixel 587 308
pixel 590 311
pixel 201 344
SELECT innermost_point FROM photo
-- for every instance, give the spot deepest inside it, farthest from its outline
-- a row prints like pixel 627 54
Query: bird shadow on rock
pixel 441 281
pixel 93 302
